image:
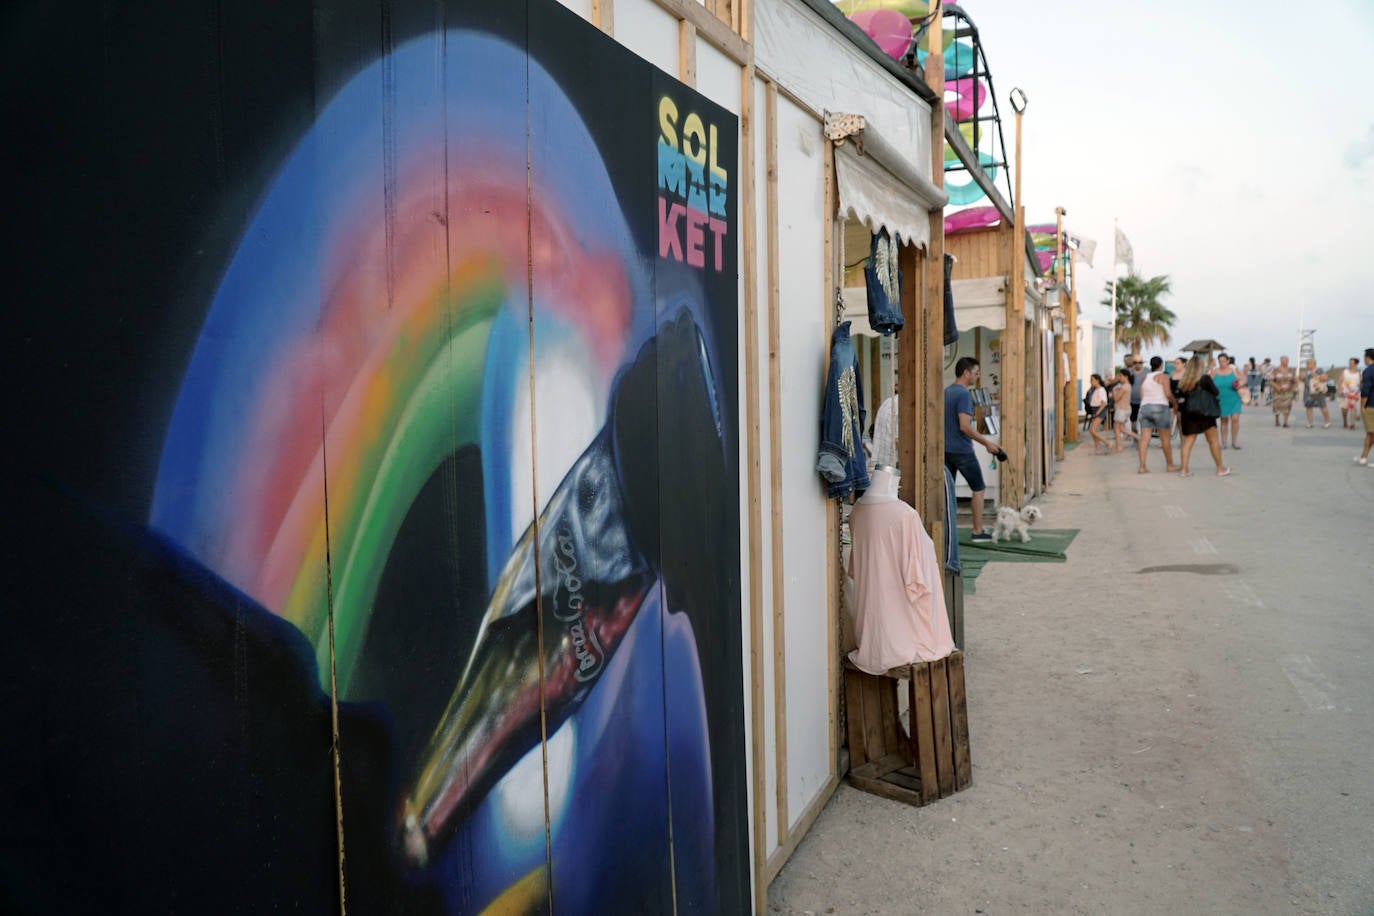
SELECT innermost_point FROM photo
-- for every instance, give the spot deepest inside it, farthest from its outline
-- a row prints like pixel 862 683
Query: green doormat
pixel 1047 545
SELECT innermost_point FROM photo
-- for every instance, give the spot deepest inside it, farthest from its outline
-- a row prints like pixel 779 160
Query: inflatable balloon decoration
pixel 892 26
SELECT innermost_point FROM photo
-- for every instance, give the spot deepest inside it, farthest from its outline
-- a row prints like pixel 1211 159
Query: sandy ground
pixel 1190 740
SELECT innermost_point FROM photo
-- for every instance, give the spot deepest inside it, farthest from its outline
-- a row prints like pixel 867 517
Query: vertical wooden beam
pixel 726 12
pixel 923 732
pixel 834 266
pixel 1017 369
pixel 687 52
pixel 1061 388
pixel 1071 339
pixel 1032 458
pixel 1016 338
pixel 1012 484
pixel 1070 344
pixel 920 344
pixel 1036 415
pixel 775 454
pixel 603 15
pixel 754 475
pixel 932 378
pixel 958 715
pixel 940 727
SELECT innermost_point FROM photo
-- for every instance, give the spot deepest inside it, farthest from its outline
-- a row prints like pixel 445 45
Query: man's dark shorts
pixel 966 463
pixel 1135 412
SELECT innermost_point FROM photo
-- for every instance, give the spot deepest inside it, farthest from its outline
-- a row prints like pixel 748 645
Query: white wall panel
pixel 717 76
pixel 801 224
pixel 582 8
pixel 649 31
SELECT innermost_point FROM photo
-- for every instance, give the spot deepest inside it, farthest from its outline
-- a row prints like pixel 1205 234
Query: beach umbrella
pixel 1206 345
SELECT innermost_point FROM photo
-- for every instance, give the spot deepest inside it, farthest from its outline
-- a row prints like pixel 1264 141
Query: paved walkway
pixel 1178 719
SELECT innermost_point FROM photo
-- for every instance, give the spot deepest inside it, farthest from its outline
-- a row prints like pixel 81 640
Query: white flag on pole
pixel 1085 246
pixel 1124 252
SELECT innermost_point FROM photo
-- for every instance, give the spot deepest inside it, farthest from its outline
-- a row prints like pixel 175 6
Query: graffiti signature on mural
pixel 569 610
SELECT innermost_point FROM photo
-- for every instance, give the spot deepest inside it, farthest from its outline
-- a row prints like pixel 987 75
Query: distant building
pixel 1094 351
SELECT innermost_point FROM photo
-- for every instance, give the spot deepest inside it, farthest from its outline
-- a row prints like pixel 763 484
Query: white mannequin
pixel 882 485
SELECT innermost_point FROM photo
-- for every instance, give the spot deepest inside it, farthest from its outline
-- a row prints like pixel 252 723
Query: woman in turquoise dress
pixel 1228 382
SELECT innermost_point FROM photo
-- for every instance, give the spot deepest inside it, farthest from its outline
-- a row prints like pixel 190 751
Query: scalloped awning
pixel 877 186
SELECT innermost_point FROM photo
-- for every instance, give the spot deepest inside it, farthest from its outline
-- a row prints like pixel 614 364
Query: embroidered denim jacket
pixel 841 460
pixel 883 278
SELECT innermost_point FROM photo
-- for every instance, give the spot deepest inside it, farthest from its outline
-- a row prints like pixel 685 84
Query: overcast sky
pixel 1234 141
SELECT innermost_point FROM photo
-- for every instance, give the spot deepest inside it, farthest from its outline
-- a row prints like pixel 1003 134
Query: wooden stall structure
pixel 986 304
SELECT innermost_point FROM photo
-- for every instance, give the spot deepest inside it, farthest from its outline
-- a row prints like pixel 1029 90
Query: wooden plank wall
pixel 979 252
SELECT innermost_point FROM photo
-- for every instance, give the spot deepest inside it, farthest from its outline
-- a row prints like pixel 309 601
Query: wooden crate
pixel 934 761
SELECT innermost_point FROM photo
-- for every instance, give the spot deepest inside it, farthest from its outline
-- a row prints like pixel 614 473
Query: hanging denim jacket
pixel 951 327
pixel 883 278
pixel 952 562
pixel 841 460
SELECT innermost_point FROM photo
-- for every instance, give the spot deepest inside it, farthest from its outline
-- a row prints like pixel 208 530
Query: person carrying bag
pixel 1204 402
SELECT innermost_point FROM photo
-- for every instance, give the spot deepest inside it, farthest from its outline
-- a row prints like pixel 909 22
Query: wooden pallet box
pixel 931 763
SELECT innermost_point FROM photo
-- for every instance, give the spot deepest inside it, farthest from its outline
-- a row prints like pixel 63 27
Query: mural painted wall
pixel 382 354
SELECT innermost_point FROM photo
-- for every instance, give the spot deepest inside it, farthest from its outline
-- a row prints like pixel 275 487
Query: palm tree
pixel 1141 319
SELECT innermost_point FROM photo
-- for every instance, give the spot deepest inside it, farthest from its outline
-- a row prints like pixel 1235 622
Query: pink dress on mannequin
pixel 899 601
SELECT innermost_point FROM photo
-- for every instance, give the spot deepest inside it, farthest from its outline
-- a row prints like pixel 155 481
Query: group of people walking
pixel 1279 386
pixel 1199 397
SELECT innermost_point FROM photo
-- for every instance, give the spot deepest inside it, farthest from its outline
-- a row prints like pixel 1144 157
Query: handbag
pixel 1204 402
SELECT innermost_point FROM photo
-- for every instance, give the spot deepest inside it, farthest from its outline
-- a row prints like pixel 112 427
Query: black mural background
pixel 168 746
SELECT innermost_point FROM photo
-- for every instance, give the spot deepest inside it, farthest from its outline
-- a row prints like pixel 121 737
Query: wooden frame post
pixel 770 151
pixel 1070 340
pixel 1035 415
pixel 1058 365
pixel 1012 482
pixel 932 506
pixel 754 475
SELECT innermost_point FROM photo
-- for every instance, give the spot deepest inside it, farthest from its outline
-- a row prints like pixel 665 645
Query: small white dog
pixel 1009 520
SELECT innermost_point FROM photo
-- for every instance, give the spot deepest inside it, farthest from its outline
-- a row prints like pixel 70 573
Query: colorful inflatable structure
pixel 896 26
pixel 1045 238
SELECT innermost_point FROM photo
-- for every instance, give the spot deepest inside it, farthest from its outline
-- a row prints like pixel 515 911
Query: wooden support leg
pixel 958 714
pixel 944 744
pixel 921 730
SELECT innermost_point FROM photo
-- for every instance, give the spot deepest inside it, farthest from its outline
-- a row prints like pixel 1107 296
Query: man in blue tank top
pixel 960 435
